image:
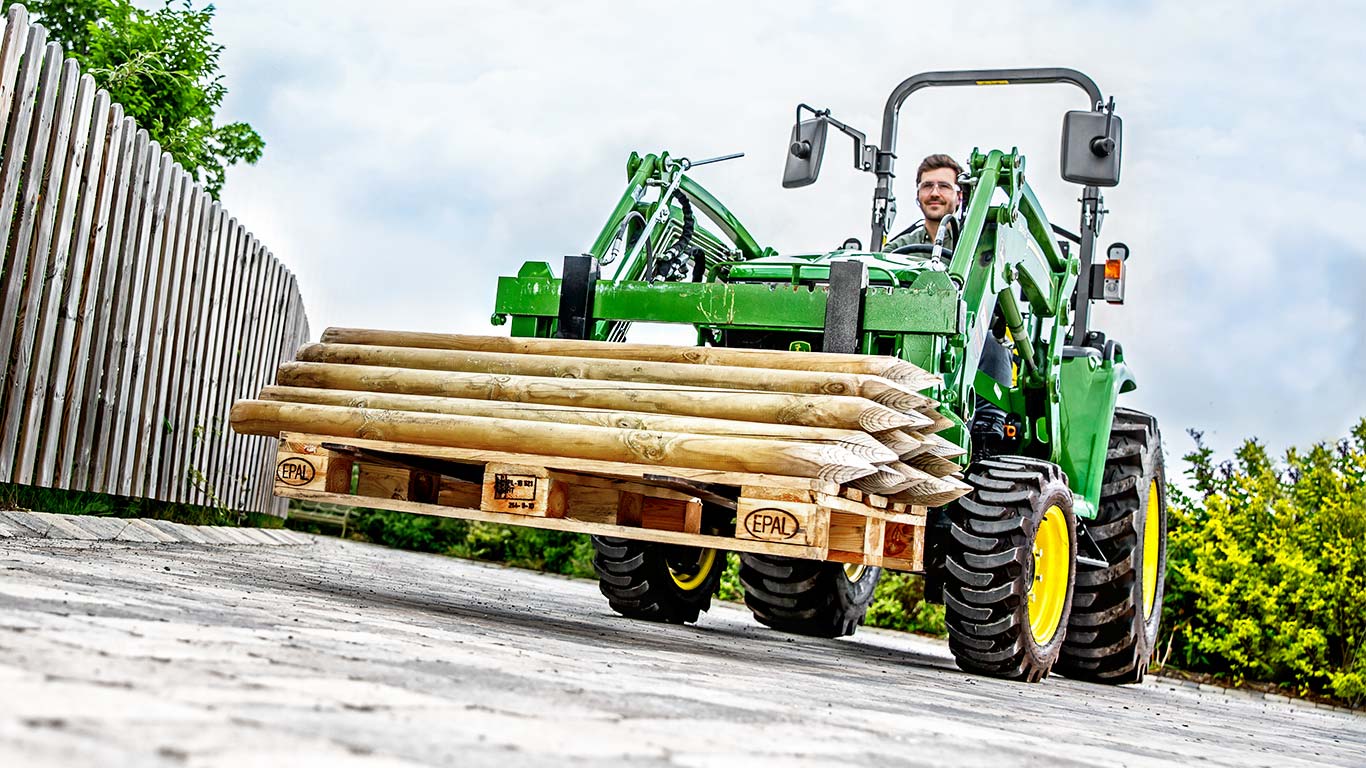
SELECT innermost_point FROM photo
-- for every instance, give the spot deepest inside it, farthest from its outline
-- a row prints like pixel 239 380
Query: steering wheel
pixel 925 248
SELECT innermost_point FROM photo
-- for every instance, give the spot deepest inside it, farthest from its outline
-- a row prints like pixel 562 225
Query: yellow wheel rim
pixel 689 579
pixel 1152 544
pixel 854 572
pixel 1048 591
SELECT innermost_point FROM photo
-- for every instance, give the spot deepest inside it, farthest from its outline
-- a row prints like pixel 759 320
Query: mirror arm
pixel 1102 146
pixel 865 154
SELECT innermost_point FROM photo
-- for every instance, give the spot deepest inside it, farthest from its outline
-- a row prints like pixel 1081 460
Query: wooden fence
pixel 135 309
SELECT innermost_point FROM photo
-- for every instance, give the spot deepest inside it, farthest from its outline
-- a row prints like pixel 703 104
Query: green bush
pixel 1266 572
pixel 899 603
pixel 570 554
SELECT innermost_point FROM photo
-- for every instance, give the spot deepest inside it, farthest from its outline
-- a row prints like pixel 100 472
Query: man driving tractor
pixel 936 182
pixel 938 195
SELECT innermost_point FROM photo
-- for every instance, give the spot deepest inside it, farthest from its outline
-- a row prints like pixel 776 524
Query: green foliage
pixel 162 66
pixel 730 587
pixel 899 603
pixel 1267 567
pixel 566 553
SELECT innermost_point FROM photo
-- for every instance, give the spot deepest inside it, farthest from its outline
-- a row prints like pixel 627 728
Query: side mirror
pixel 1091 147
pixel 804 152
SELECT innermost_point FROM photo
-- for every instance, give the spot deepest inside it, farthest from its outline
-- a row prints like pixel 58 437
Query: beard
pixel 937 213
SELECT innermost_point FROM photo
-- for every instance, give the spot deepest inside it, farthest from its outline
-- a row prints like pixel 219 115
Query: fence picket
pixel 63 193
pixel 230 462
pixel 26 230
pixel 159 301
pixel 264 337
pixel 207 357
pixel 12 45
pixel 15 151
pixel 224 362
pixel 73 337
pixel 102 304
pixel 186 325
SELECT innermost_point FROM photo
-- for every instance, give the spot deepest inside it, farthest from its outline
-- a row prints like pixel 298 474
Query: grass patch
pixel 63 502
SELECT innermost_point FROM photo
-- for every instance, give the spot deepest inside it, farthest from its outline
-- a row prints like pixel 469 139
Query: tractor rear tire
pixel 1118 609
pixel 807 597
pixel 656 582
pixel 1010 560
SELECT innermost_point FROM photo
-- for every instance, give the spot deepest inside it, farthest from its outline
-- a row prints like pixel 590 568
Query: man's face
pixel 938 193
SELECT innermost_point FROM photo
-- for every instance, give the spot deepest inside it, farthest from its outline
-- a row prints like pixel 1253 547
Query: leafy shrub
pixel 1267 567
pixel 899 603
pixel 570 554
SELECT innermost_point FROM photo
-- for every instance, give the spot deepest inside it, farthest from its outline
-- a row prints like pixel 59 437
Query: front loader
pixel 1054 560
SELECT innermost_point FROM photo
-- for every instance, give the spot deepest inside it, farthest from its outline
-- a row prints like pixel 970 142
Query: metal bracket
pixel 1084 541
pixel 578 289
pixel 844 306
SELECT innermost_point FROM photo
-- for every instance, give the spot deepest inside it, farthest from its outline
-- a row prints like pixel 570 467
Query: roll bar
pixel 883 200
pixel 886 156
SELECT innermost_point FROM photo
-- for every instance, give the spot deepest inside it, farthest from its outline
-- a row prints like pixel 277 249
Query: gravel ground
pixel 299 651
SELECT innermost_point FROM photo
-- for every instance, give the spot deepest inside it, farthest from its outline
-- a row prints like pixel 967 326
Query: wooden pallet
pixel 777 515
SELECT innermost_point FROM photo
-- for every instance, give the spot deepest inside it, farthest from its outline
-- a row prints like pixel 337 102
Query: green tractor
pixel 1055 559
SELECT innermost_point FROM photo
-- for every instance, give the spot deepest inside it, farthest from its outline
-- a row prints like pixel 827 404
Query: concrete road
pixel 342 654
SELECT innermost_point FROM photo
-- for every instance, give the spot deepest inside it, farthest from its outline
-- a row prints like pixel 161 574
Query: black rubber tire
pixel 989 567
pixel 635 578
pixel 1110 640
pixel 806 597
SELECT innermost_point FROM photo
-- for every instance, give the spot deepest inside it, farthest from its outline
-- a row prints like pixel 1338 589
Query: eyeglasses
pixel 942 186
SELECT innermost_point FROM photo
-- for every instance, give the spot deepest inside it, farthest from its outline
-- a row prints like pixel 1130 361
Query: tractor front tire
pixel 807 597
pixel 656 582
pixel 1118 609
pixel 1010 561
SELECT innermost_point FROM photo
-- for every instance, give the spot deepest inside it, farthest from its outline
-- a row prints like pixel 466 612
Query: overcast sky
pixel 414 154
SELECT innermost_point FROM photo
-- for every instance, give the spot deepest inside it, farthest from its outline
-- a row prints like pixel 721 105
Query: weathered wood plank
pixel 209 308
pixel 261 495
pixel 73 331
pixel 20 270
pixel 147 432
pixel 12 44
pixel 206 378
pixel 20 133
pixel 229 373
pixel 273 279
pixel 235 471
pixel 278 355
pixel 298 334
pixel 46 194
pixel 46 391
pixel 170 478
pixel 100 306
pixel 128 412
pixel 140 194
pixel 209 446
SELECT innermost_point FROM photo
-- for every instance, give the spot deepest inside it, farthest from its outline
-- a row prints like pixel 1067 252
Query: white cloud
pixel 414 155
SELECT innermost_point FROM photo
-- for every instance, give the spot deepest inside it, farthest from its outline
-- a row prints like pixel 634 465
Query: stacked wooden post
pixel 854 420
